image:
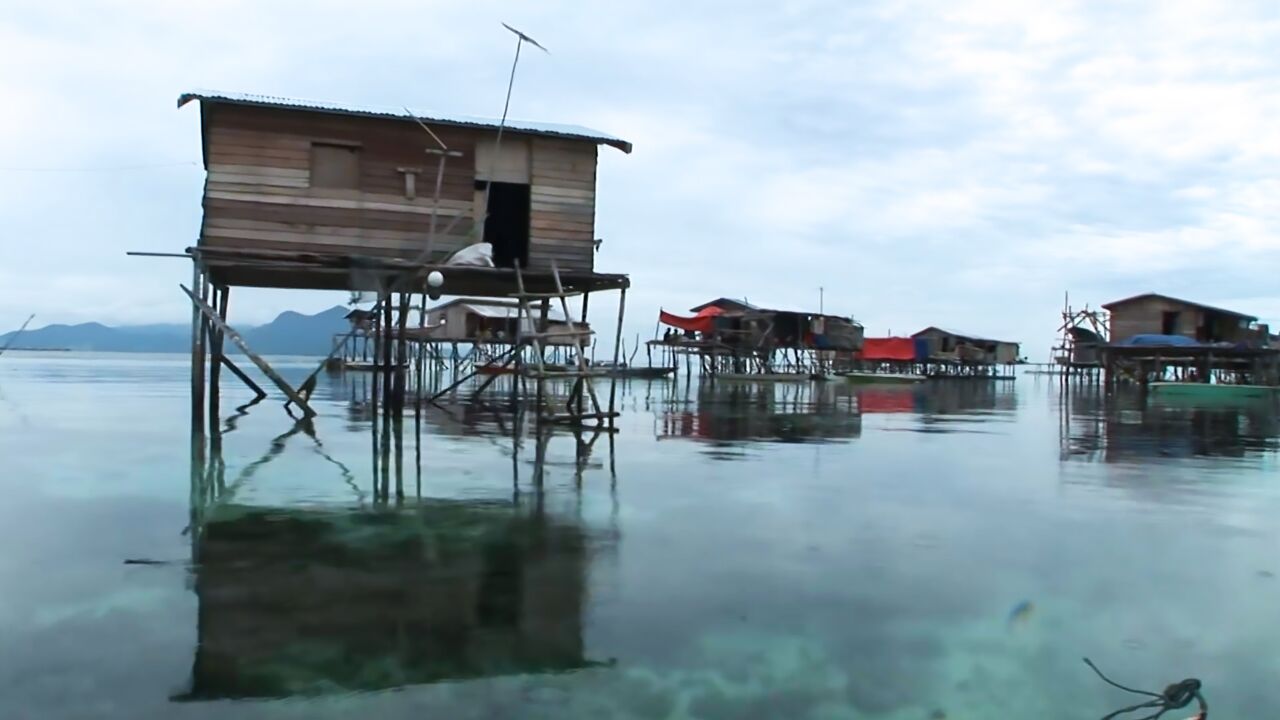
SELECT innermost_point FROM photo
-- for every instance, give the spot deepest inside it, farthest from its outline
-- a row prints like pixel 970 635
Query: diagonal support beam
pixel 266 369
pixel 248 381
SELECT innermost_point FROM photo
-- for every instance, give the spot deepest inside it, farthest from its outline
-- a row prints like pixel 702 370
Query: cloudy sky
pixel 953 163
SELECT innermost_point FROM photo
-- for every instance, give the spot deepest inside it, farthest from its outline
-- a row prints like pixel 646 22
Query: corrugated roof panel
pixel 574 132
pixel 966 336
pixel 494 308
pixel 1202 306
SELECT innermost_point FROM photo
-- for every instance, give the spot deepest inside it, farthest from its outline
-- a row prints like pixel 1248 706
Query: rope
pixel 1175 697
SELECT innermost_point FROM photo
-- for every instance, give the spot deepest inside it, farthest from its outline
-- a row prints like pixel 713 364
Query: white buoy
pixel 435 278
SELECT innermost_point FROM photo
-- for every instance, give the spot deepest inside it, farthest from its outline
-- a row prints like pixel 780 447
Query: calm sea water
pixel 736 552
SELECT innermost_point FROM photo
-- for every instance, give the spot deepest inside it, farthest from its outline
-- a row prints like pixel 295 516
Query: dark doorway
pixel 507 226
pixel 1169 322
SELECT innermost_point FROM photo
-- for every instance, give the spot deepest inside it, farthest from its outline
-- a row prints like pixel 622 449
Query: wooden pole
pixel 540 348
pixel 197 354
pixel 402 352
pixel 267 370
pixel 388 391
pixel 586 299
pixel 215 359
pixel 224 360
pixel 617 344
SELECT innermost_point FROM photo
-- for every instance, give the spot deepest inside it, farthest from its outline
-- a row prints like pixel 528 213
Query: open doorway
pixel 1169 322
pixel 507 226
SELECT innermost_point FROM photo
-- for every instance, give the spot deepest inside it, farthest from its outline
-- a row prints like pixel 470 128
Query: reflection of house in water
pixel 298 601
pixel 945 397
pixel 938 401
pixel 1125 429
pixel 763 412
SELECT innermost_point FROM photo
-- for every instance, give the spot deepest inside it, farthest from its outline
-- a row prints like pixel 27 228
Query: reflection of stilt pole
pixel 398 428
pixel 198 501
pixel 373 432
pixel 542 433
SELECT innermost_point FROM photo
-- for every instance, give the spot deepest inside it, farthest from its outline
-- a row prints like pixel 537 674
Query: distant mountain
pixel 293 333
pixel 290 333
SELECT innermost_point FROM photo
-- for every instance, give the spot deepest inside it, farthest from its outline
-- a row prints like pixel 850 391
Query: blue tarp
pixel 1153 340
pixel 922 348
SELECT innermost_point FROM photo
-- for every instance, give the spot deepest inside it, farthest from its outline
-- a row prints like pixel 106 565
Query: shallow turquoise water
pixel 741 552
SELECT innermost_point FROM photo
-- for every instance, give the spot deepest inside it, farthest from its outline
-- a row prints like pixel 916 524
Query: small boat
pixel 1210 392
pixel 869 378
pixel 632 372
pixel 767 377
pixel 357 366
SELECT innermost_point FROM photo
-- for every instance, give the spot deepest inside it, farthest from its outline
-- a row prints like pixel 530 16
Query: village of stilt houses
pixel 500 217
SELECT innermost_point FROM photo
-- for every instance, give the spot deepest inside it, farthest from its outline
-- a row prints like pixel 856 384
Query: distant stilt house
pixel 737 338
pixel 964 348
pixel 486 321
pixel 728 305
pixel 1155 314
pixel 1157 338
pixel 1085 345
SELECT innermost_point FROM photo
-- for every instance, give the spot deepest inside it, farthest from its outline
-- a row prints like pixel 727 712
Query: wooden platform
pixel 333 271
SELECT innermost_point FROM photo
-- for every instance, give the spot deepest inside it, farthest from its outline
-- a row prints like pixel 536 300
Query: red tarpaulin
pixel 892 348
pixel 698 323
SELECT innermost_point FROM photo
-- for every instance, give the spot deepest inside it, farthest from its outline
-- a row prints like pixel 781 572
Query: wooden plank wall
pixel 258 194
pixel 1146 316
pixel 562 204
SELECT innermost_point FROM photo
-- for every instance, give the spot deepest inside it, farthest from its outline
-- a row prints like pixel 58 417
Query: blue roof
pixel 1155 340
pixel 572 132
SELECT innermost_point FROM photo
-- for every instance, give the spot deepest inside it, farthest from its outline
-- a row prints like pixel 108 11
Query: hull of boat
pixel 1209 392
pixel 864 378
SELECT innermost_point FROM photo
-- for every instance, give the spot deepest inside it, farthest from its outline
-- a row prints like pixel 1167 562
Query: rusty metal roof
pixel 1202 306
pixel 964 336
pixel 570 132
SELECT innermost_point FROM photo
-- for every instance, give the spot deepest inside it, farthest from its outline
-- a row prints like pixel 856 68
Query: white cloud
pixel 925 162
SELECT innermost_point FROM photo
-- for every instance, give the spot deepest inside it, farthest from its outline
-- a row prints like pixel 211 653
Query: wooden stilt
pixel 617 345
pixel 266 369
pixel 255 387
pixel 402 352
pixel 197 354
pixel 388 390
pixel 223 295
pixel 540 348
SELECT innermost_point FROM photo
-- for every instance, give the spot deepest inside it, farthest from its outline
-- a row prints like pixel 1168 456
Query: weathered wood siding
pixel 1146 316
pixel 259 194
pixel 562 208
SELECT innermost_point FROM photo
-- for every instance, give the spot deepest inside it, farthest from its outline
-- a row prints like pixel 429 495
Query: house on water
pixel 300 177
pixel 481 320
pixel 949 346
pixel 735 337
pixel 320 196
pixel 1155 314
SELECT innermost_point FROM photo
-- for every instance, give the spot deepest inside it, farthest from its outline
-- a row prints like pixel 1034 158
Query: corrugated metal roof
pixel 573 132
pixel 964 336
pixel 721 301
pixel 1202 306
pixel 494 309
